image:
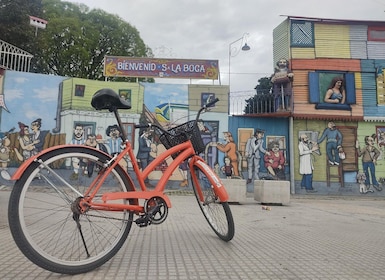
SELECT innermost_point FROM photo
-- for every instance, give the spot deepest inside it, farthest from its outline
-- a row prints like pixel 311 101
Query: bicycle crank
pixel 156 212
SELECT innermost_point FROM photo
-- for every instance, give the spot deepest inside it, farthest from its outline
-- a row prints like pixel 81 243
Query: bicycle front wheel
pixel 43 218
pixel 217 213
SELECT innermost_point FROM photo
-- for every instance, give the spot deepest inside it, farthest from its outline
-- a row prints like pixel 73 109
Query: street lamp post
pixel 236 50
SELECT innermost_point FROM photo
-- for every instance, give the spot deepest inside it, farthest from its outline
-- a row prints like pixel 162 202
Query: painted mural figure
pixel 26 142
pixel 274 162
pixel 336 91
pixel 38 135
pixel 227 169
pixel 90 142
pixel 77 139
pixel 183 168
pixel 4 156
pixel 369 155
pixel 115 141
pixel 333 143
pixel 306 163
pixel 143 156
pixel 253 152
pixel 230 150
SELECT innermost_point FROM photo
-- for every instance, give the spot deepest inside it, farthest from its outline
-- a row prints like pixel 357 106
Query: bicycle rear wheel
pixel 217 213
pixel 44 223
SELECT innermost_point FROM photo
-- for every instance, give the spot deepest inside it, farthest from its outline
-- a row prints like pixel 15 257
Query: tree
pixel 263 100
pixel 14 23
pixel 76 39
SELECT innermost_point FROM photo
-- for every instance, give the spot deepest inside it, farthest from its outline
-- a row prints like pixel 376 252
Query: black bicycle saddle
pixel 108 99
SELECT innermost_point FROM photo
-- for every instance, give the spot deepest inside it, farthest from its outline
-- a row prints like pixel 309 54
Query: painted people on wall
pixel 78 135
pixel 114 142
pixel 274 161
pixel 336 91
pixel 144 157
pixel 38 135
pixel 77 139
pixel 27 144
pixel 230 150
pixel 227 168
pixel 369 154
pixel 306 166
pixel 254 152
pixel 333 143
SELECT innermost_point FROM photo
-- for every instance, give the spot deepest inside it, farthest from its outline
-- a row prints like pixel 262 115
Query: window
pixel 376 33
pixel 302 34
pixel 125 94
pixel 207 97
pixel 319 83
pixel 129 128
pixel 79 90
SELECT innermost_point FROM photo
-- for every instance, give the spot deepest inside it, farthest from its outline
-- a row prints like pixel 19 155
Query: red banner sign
pixel 118 66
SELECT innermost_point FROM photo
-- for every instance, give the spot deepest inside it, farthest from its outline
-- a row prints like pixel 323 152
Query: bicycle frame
pixel 185 150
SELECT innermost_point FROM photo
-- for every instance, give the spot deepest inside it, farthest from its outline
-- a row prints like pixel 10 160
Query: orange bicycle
pixel 72 225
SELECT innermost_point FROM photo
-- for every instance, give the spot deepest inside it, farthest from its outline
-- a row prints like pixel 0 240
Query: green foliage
pixel 76 38
pixel 262 101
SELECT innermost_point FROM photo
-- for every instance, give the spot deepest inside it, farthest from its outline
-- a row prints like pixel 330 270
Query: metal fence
pixel 250 102
pixel 14 58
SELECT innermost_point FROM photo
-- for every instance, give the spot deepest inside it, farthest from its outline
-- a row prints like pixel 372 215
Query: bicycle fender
pixel 28 162
pixel 217 184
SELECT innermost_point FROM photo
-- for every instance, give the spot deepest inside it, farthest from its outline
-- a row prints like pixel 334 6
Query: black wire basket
pixel 181 134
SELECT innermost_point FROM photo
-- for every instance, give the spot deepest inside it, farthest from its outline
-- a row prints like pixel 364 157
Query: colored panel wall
pixel 352 65
pixel 376 50
pixel 281 41
pixel 195 97
pixel 308 53
pixel 332 41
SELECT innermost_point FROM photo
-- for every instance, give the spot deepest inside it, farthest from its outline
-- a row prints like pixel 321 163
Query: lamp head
pixel 246 47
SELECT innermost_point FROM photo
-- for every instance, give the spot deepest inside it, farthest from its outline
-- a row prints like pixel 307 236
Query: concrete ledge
pixel 272 191
pixel 236 188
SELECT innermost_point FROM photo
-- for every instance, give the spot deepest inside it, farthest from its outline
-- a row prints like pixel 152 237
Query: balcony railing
pixel 279 100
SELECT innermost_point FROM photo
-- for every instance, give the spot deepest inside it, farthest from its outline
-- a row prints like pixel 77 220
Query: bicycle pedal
pixel 143 221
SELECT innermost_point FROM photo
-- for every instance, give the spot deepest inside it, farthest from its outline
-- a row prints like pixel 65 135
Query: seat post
pixel 123 132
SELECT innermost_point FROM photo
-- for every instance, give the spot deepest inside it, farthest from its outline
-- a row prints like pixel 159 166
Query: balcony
pixel 277 103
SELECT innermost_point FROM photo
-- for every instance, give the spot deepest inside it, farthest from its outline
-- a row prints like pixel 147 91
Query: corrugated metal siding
pixel 358 49
pixel 281 41
pixel 332 40
pixel 358 80
pixel 308 53
pixel 331 32
pixel 369 90
pixel 332 49
pixel 358 37
pixel 300 78
pixel 376 50
pixel 352 65
pixel 301 94
pixel 367 65
pixel 379 63
pixel 358 32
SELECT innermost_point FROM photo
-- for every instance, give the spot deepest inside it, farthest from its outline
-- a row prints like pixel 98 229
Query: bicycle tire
pixel 216 213
pixel 42 222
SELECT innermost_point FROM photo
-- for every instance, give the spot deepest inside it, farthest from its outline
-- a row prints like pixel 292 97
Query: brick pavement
pixel 312 238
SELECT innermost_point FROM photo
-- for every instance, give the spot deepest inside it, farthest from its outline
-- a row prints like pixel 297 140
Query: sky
pixel 216 30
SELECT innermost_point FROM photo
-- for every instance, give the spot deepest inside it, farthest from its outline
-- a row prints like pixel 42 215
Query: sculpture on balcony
pixel 281 80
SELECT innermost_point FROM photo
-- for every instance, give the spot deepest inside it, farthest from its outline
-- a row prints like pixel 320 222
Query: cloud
pixel 46 94
pixel 203 29
pixel 13 94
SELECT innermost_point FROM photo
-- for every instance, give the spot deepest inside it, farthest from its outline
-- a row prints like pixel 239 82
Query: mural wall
pixel 41 111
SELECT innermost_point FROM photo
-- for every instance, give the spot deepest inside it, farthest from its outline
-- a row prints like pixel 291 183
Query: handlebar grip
pixel 212 102
pixel 142 126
